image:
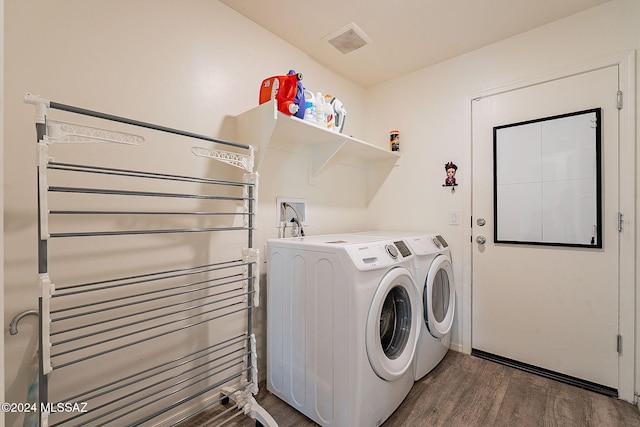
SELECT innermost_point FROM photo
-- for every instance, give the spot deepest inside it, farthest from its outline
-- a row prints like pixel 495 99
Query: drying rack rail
pixel 147 278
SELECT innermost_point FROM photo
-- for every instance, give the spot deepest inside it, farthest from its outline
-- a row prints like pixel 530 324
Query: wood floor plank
pixel 487 387
pixel 525 400
pixel 465 391
pixel 566 407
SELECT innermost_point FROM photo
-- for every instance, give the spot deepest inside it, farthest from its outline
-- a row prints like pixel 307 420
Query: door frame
pixel 628 158
pixel 2 379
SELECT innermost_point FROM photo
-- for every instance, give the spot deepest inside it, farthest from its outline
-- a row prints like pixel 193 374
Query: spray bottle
pixel 339 114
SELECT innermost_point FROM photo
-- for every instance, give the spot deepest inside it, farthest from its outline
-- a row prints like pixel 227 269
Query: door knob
pixel 481 222
pixel 481 240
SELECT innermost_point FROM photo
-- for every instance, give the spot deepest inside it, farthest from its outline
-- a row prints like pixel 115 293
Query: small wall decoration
pixel 450 180
pixel 394 140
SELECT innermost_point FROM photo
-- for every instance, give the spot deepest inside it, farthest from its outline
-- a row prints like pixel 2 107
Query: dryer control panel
pixel 427 244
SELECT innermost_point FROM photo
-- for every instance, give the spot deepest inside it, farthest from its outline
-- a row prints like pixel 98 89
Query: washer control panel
pixel 376 255
pixel 403 248
pixel 392 251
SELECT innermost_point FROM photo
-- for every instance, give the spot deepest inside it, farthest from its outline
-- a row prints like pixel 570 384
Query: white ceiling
pixel 406 35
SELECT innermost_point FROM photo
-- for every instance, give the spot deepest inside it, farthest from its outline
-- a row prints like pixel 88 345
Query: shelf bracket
pixel 322 155
pixel 377 175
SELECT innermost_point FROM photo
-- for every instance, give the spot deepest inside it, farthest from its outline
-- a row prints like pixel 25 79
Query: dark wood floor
pixel 467 391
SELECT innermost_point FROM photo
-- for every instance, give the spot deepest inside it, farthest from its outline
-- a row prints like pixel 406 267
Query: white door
pixel 551 307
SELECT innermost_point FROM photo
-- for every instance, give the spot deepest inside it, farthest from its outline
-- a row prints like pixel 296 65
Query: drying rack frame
pixel 238 387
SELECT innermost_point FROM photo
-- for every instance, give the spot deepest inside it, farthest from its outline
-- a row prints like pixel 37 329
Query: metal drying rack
pixel 130 332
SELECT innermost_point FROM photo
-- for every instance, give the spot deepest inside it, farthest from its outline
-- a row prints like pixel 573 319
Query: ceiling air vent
pixel 348 38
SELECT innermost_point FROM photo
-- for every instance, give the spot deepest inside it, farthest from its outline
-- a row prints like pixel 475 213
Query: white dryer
pixel 343 321
pixel 434 275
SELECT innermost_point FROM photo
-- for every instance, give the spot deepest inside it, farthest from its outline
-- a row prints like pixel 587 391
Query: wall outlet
pixel 285 214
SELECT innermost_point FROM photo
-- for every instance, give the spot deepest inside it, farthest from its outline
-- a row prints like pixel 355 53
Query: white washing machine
pixel 343 321
pixel 434 275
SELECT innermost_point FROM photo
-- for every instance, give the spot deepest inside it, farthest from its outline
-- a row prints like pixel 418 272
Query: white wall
pixel 2 204
pixel 190 65
pixel 428 107
pixel 195 64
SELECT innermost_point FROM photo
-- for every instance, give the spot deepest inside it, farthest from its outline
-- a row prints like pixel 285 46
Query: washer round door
pixel 393 324
pixel 439 297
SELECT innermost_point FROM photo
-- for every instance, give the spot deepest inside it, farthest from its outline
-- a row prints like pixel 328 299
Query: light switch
pixel 454 217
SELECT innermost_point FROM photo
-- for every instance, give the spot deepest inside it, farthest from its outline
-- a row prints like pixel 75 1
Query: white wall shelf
pixel 264 124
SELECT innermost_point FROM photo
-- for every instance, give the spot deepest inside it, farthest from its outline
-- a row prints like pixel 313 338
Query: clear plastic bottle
pixel 330 121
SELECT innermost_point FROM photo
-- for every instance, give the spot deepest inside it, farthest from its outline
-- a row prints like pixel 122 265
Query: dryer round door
pixel 393 324
pixel 439 297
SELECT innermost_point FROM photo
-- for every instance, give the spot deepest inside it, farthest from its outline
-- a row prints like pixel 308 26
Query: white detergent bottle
pixel 321 110
pixel 310 106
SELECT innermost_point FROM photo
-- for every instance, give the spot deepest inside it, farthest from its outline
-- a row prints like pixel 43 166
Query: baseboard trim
pixel 456 346
pixel 577 382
